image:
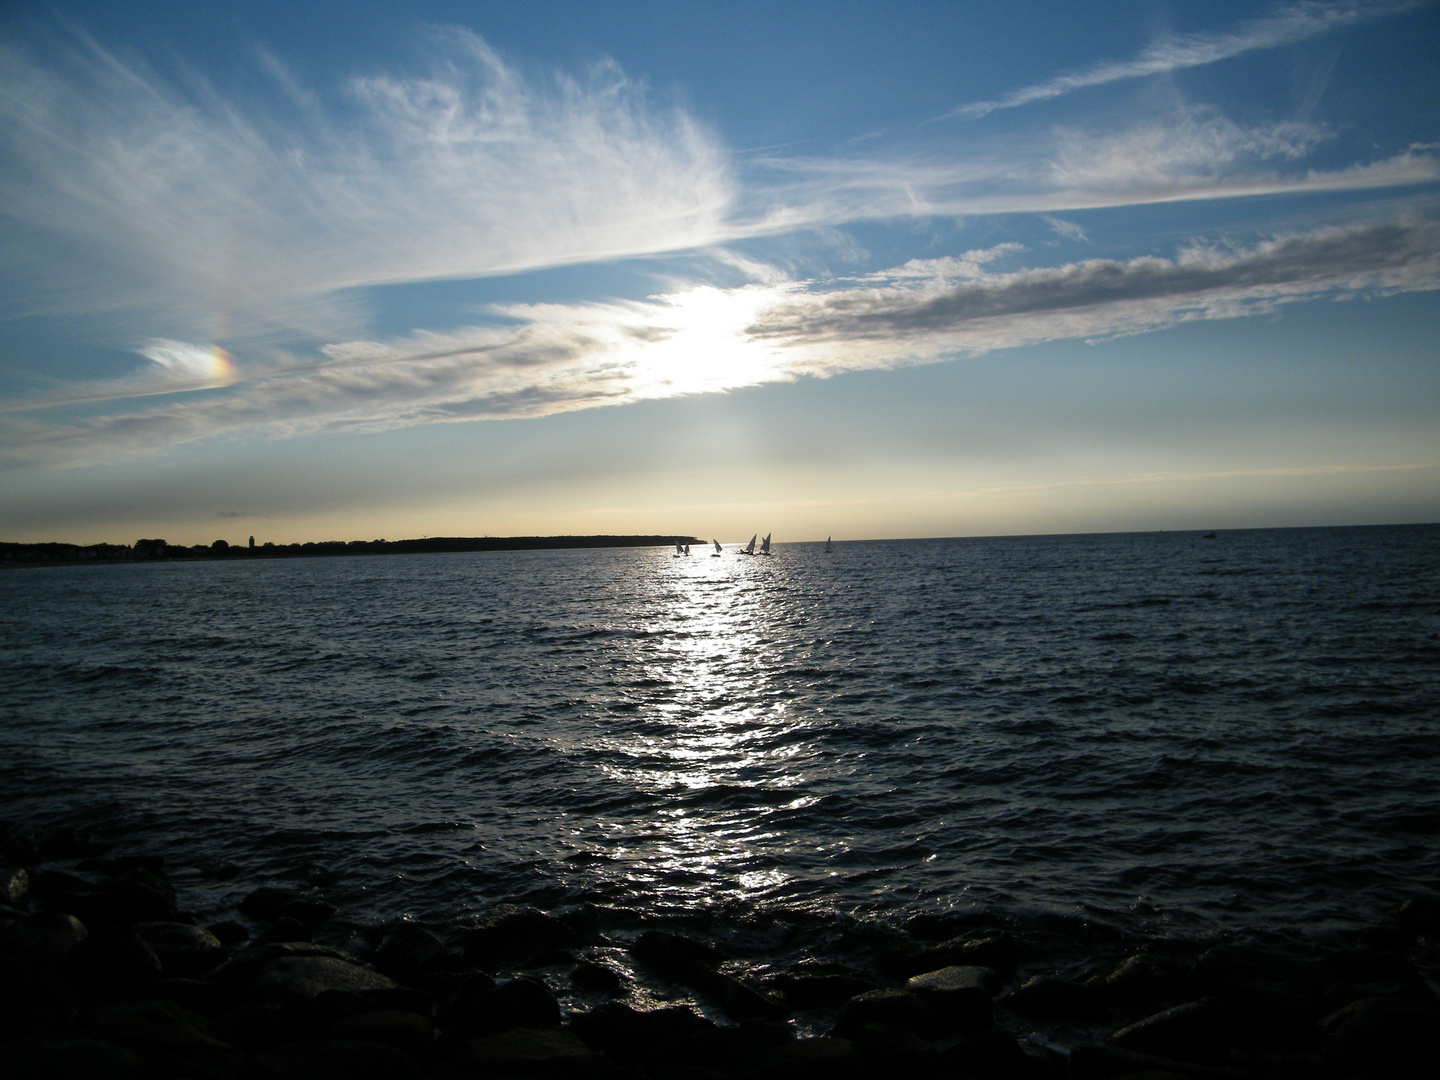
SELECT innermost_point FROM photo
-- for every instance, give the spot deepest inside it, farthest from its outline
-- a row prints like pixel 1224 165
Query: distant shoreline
pixel 52 554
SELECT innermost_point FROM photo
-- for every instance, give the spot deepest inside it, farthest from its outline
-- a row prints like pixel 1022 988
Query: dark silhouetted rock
pixel 267 903
pixel 69 1059
pixel 597 978
pixel 1196 1031
pixel 823 1058
pixel 672 955
pixel 989 1055
pixel 477 1011
pixel 1052 999
pixel 16 849
pixel 627 1034
pixel 1143 979
pixel 112 963
pixel 891 1050
pixel 998 952
pixel 185 951
pixel 1105 1062
pixel 292 979
pixel 35 998
pixel 509 934
pixel 333 1059
pixel 1274 997
pixel 229 932
pixel 309 910
pixel 120 865
pixel 820 985
pixel 528 1052
pixel 898 1007
pixel 67 843
pixel 958 996
pixel 1396 1036
pixel 51 885
pixel 165 1031
pixel 736 1049
pixel 47 935
pixel 1419 915
pixel 739 1000
pixel 137 898
pixel 282 930
pixel 14 887
pixel 405 1031
pixel 410 953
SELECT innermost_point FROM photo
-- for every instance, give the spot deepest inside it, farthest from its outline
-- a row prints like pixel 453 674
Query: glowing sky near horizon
pixel 854 270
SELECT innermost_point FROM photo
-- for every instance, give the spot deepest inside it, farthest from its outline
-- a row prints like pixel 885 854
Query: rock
pixel 1419 915
pixel 185 951
pixel 597 978
pixel 282 930
pixel 52 884
pixel 49 935
pixel 509 933
pixel 739 1000
pixel 112 963
pixel 672 955
pixel 1050 999
pixel 67 843
pixel 627 1034
pixel 292 979
pixel 267 903
pixel 116 902
pixel 236 975
pixel 14 887
pixel 998 952
pixel 163 1032
pixel 121 865
pixel 477 1011
pixel 333 1059
pixel 899 1007
pixel 410 953
pixel 405 1031
pixel 229 932
pixel 823 1058
pixel 1196 1031
pixel 959 996
pixel 1142 979
pixel 69 1059
pixel 309 910
pixel 16 849
pixel 1395 1036
pixel 1105 1062
pixel 819 986
pixel 35 998
pixel 894 1051
pixel 526 1052
pixel 734 1049
pixel 1274 997
pixel 993 1053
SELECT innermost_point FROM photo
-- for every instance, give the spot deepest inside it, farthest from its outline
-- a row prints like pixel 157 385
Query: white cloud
pixel 1284 25
pixel 561 357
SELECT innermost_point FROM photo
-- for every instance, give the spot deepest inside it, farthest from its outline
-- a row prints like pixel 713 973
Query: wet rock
pixel 237 974
pixel 991 1054
pixel 1364 964
pixel 35 998
pixel 1196 1031
pixel 998 952
pixel 627 1034
pixel 139 897
pixel 14 887
pixel 121 865
pixel 50 885
pixel 67 843
pixel 552 1052
pixel 174 1040
pixel 405 1031
pixel 509 933
pixel 891 1050
pixel 333 1059
pixel 1143 979
pixel 739 1000
pixel 282 930
pixel 959 996
pixel 46 936
pixel 309 910
pixel 69 1059
pixel 898 1007
pixel 252 1027
pixel 734 1049
pixel 477 1011
pixel 823 1058
pixel 1395 1036
pixel 1050 999
pixel 597 978
pixel 185 951
pixel 16 849
pixel 410 953
pixel 112 963
pixel 1274 997
pixel 673 955
pixel 292 979
pixel 229 932
pixel 1105 1062
pixel 820 985
pixel 267 903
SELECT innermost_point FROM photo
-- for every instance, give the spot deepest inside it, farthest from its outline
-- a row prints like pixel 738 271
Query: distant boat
pixel 687 549
pixel 765 545
pixel 749 549
pixel 678 550
pixel 718 548
pixel 828 548
pixel 1208 536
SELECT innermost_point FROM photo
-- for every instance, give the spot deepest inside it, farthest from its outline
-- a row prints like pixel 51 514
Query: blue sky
pixel 312 271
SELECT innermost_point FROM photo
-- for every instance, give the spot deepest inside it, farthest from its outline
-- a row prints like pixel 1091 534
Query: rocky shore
pixel 103 974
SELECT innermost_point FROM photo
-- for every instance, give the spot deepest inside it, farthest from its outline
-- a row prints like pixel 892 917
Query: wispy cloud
pixel 560 357
pixel 1284 25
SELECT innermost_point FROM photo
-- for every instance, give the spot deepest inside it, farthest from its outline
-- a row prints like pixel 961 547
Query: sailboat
pixel 749 549
pixel 687 549
pixel 765 545
pixel 678 550
pixel 718 549
pixel 828 548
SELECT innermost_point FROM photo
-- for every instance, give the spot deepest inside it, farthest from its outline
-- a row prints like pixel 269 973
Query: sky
pixel 308 271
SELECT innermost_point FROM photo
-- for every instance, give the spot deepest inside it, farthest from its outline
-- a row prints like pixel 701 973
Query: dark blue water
pixel 1162 731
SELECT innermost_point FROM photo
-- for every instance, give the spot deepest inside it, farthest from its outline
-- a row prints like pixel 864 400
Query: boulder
pixel 164 1029
pixel 820 986
pixel 117 902
pixel 822 1058
pixel 509 933
pixel 292 979
pixel 267 903
pixel 551 1052
pixel 477 1011
pixel 992 1053
pixel 899 1007
pixel 405 1031
pixel 184 951
pixel 1394 1036
pixel 333 1059
pixel 309 910
pixel 1142 979
pixel 112 963
pixel 282 930
pixel 597 978
pixel 999 952
pixel 410 953
pixel 734 1049
pixel 69 1059
pixel 14 887
pixel 739 1000
pixel 1048 998
pixel 959 996
pixel 1196 1031
pixel 627 1034
pixel 673 955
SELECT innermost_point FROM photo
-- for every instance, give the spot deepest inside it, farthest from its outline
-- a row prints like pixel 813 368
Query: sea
pixel 1163 733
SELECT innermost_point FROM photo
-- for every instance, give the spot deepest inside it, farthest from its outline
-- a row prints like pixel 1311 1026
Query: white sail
pixel 749 549
pixel 718 549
